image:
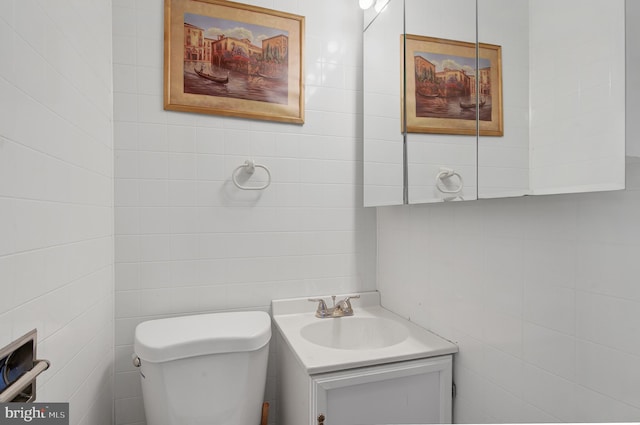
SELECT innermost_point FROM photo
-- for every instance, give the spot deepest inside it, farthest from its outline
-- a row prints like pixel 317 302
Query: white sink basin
pixel 372 336
pixel 355 333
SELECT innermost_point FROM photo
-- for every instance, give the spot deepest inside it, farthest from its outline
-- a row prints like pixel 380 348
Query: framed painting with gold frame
pixel 227 58
pixel 446 90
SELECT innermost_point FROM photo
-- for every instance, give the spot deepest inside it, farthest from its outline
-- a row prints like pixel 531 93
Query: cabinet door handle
pixel 321 419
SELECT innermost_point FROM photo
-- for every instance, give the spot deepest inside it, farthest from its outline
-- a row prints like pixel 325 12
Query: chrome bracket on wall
pixel 19 369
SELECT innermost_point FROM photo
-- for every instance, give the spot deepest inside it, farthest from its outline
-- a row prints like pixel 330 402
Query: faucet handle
pixel 351 297
pixel 345 304
pixel 318 300
pixel 322 310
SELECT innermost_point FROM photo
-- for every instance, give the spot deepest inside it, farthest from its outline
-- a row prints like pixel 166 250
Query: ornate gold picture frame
pixel 232 59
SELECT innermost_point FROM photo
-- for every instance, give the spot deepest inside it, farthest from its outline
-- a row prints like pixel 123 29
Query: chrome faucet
pixel 341 309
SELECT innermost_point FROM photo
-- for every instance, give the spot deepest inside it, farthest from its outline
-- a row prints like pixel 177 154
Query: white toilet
pixel 207 369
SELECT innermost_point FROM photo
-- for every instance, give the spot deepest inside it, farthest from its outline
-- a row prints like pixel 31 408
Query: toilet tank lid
pixel 175 338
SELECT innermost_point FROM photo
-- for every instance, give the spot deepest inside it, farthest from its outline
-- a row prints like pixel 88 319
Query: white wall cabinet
pixel 563 107
pixel 409 392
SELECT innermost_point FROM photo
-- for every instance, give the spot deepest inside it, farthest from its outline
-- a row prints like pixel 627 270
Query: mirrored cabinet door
pixel 503 162
pixel 383 136
pixel 441 100
pixel 564 97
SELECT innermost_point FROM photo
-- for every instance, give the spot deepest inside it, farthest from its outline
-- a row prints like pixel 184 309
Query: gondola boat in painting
pixel 471 105
pixel 215 79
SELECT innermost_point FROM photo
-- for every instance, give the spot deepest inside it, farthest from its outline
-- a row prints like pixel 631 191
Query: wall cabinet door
pixel 412 392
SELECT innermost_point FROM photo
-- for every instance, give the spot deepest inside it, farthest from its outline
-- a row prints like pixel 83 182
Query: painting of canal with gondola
pixel 235 60
pixel 447 89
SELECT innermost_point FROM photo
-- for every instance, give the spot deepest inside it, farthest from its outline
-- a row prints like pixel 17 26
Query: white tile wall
pixel 187 240
pixel 56 202
pixel 541 294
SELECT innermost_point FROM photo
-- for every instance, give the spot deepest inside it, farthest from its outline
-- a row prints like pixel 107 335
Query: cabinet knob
pixel 321 419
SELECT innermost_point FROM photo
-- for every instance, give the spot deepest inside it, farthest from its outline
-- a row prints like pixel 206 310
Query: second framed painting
pixel 232 59
pixel 446 90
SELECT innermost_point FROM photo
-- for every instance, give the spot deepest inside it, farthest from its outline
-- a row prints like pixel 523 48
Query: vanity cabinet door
pixel 416 392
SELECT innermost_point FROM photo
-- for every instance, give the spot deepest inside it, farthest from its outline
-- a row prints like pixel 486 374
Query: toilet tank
pixel 204 369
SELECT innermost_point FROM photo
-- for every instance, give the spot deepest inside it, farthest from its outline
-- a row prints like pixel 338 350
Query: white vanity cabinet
pixel 409 392
pixel 374 368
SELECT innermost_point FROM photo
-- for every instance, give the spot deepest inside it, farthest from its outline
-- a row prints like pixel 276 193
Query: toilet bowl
pixel 207 369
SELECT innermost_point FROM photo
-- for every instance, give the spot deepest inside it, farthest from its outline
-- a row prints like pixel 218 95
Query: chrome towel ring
pixel 249 167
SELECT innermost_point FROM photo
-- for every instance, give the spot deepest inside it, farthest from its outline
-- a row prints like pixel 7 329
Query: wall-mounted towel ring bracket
pixel 249 167
pixel 446 173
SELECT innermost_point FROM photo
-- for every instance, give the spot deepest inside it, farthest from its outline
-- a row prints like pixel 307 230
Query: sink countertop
pixel 291 315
